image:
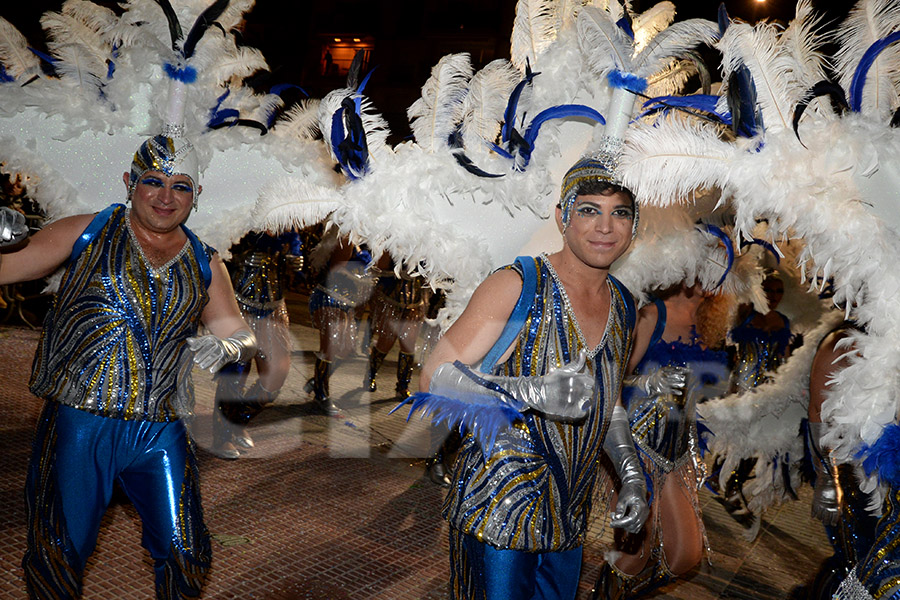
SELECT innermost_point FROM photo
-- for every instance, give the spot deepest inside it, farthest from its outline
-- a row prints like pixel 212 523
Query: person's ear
pixel 559 220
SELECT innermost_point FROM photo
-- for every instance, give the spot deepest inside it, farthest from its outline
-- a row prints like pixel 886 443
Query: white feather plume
pixel 650 22
pixel 802 43
pixel 300 121
pixel 484 105
pixel 439 110
pixel 14 54
pixel 673 42
pixel 605 45
pixel 868 22
pixel 757 48
pixel 666 163
pixel 534 29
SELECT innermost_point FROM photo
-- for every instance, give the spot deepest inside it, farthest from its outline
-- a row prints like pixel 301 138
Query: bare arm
pixel 222 317
pixel 643 331
pixel 45 251
pixel 479 326
pixel 823 369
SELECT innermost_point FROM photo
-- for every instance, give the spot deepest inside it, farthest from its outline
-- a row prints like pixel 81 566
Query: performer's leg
pixel 163 483
pixel 66 493
pixel 435 466
pixel 480 571
pixel 681 536
pixel 227 414
pixel 405 364
pixel 409 331
pixel 376 357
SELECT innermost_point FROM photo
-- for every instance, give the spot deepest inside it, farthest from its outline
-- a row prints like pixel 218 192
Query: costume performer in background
pixel 679 364
pixel 762 340
pixel 837 500
pixel 552 336
pixel 261 269
pixel 762 344
pixel 113 366
pixel 398 311
pixel 333 306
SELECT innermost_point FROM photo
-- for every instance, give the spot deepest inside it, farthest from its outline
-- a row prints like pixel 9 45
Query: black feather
pixel 822 88
pixel 174 25
pixel 895 120
pixel 466 163
pixel 203 22
pixel 355 69
pixel 702 70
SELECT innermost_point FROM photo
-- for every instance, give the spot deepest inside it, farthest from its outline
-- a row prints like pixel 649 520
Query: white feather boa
pixel 764 423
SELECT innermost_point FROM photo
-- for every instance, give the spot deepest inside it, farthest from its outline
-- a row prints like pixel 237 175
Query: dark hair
pixel 599 187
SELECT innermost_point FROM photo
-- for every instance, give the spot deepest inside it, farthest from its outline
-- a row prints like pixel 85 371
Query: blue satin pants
pixel 481 572
pixel 77 458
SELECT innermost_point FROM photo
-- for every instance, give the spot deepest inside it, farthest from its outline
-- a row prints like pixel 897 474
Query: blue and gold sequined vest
pixel 534 491
pixel 114 341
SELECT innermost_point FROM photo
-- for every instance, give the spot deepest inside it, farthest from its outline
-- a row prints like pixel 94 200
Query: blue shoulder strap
pixel 630 308
pixel 91 231
pixel 660 322
pixel 201 254
pixel 516 320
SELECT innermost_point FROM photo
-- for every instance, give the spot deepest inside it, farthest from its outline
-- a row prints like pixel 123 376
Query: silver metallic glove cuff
pixel 619 445
pixel 564 393
pixel 826 504
pixel 239 346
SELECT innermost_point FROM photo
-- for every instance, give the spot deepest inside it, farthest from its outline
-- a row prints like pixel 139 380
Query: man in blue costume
pixel 552 337
pixel 114 368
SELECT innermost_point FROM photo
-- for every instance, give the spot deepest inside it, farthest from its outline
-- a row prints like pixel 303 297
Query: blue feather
pixel 765 245
pixel 484 416
pixel 184 74
pixel 44 57
pixel 883 457
pixel 627 81
pixel 281 87
pixel 554 112
pixel 729 248
pixel 512 105
pixel 702 102
pixel 625 25
pixel 4 76
pixel 359 90
pixel 723 18
pixel 862 69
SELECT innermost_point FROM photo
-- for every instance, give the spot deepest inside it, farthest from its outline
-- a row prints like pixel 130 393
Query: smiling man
pixel 551 335
pixel 114 368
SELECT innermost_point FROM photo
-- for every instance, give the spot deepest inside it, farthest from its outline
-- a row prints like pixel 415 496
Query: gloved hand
pixel 13 228
pixel 565 392
pixel 826 503
pixel 213 353
pixel 665 380
pixel 632 509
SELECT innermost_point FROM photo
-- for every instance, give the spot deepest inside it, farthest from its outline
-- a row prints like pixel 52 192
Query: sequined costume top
pixel 758 351
pixel 662 425
pixel 534 491
pixel 113 342
pixel 259 272
pixel 402 292
pixel 347 285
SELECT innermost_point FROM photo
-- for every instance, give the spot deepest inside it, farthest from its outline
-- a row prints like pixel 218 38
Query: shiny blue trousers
pixel 479 571
pixel 77 457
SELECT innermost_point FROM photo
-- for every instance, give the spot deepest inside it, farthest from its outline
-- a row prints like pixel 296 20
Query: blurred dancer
pixel 261 267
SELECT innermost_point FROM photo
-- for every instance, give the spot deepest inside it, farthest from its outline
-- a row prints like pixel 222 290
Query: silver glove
pixel 665 380
pixel 565 392
pixel 826 502
pixel 13 227
pixel 632 509
pixel 213 353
